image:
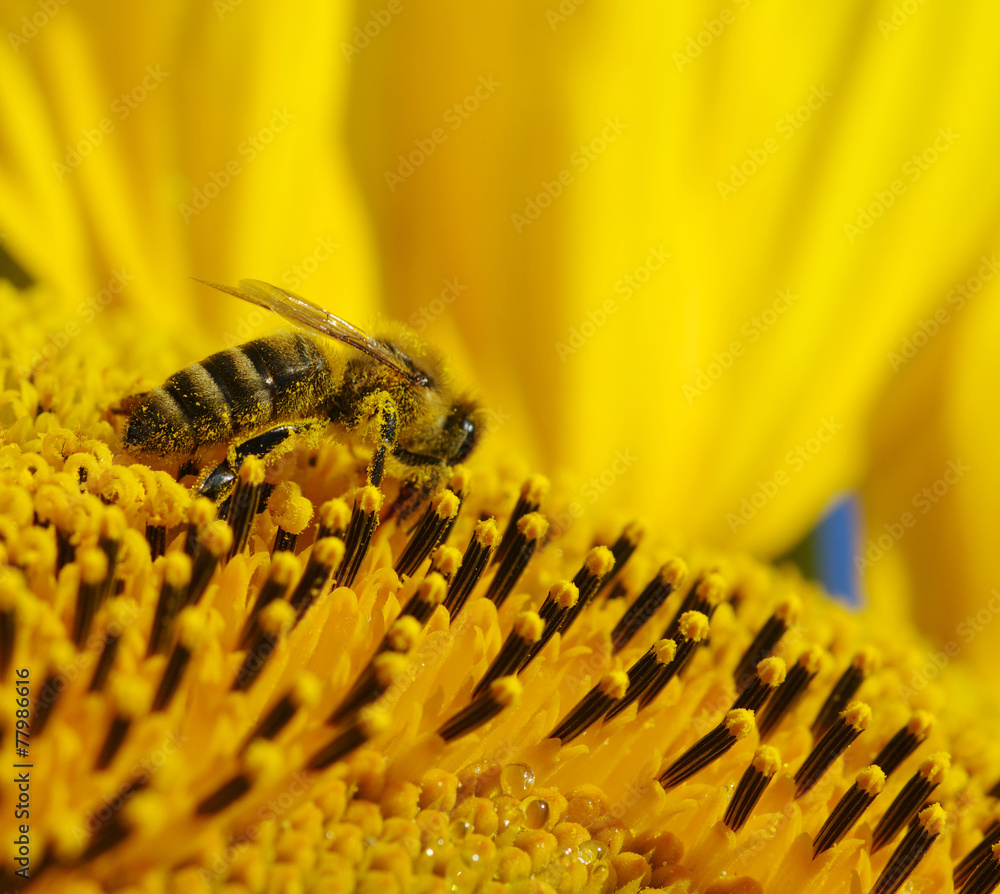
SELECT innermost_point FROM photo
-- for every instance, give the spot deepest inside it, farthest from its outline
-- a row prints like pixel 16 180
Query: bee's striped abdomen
pixel 232 393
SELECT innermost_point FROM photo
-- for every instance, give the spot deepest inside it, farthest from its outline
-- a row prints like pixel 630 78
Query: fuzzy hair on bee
pixel 392 391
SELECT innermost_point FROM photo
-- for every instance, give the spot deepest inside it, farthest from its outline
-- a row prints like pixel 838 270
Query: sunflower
pixel 665 215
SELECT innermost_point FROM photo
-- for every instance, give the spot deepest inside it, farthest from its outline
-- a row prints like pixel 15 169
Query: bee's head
pixel 463 430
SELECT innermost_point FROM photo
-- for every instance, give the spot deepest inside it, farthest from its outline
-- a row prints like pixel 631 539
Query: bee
pixel 394 391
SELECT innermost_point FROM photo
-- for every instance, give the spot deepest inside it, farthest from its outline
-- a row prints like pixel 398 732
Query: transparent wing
pixel 303 312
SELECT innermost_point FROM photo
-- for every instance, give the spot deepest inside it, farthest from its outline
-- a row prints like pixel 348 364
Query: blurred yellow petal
pixel 816 178
pixel 935 484
pixel 154 145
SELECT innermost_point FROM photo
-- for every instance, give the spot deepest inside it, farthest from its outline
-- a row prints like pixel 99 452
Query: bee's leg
pixel 381 409
pixel 221 479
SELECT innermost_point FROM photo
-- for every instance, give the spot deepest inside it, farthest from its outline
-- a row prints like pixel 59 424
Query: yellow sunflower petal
pixel 699 229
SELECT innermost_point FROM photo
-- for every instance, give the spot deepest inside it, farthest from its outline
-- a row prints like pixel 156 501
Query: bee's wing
pixel 303 312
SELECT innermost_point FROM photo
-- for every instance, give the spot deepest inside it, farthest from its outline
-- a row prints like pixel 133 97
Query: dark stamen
pixel 244 502
pixel 272 623
pixel 360 529
pixel 866 662
pixel 113 741
pixel 284 568
pixel 176 570
pixel 304 694
pixel 531 531
pixel 93 565
pixel 844 730
pixel 622 549
pixel 439 515
pixel 562 596
pixel 854 802
pixel 291 512
pixel 368 724
pixel 967 865
pixel 769 676
pixel 594 705
pixel 692 629
pixel 327 555
pixel 200 513
pixel 911 798
pixel 387 665
pixel 704 597
pixel 918 839
pixel 485 538
pixel 117 610
pixel 334 517
pixel 446 560
pixel 430 594
pixel 775 627
pixel 648 602
pixel 533 491
pixel 226 794
pixel 788 694
pixel 986 876
pixel 597 565
pixel 905 742
pixel 192 630
pixel 527 630
pixel 766 762
pixel 642 674
pixel 502 693
pixel 214 542
pixel 736 725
